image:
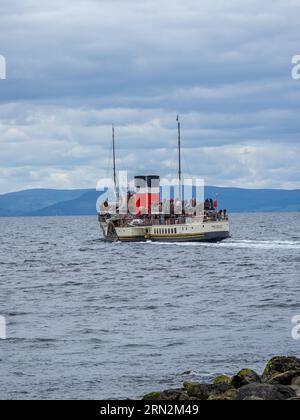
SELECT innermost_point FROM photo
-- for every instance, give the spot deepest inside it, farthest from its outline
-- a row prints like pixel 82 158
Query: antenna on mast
pixel 179 158
pixel 114 168
pixel 114 157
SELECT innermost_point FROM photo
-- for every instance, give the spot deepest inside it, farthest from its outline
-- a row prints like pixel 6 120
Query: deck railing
pixel 160 220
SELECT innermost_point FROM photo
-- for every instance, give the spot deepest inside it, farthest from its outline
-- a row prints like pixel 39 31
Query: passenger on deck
pixel 220 215
pixel 172 207
pixel 104 207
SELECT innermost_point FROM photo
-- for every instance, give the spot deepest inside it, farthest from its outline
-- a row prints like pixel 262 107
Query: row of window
pixel 170 231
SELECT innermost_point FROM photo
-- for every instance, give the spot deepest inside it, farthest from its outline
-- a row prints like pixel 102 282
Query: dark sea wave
pixel 88 319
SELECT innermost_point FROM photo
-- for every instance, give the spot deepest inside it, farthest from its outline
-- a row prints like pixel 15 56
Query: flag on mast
pixel 216 203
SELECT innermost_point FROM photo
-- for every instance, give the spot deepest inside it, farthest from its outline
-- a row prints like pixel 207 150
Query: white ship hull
pixel 193 232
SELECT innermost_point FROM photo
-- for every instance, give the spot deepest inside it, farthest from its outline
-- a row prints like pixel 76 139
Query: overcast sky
pixel 74 67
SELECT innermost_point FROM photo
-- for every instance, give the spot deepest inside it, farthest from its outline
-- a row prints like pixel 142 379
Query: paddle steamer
pixel 147 219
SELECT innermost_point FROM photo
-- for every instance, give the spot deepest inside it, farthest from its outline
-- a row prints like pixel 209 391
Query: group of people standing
pixel 222 215
pixel 210 204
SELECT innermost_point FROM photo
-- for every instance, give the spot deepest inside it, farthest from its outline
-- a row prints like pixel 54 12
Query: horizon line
pixel 206 186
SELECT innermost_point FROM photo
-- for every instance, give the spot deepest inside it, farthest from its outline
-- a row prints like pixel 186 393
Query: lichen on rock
pixel 229 395
pixel 245 377
pixel 222 379
pixel 152 396
pixel 280 365
pixel 204 391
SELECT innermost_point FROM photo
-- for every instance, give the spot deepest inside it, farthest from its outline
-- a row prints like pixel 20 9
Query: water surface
pixel 88 319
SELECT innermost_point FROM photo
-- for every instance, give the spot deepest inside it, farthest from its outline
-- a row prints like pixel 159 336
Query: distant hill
pixel 43 202
pixel 84 205
pixel 28 201
pixel 243 200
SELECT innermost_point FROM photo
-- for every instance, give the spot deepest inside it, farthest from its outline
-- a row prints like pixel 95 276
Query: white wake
pixel 231 243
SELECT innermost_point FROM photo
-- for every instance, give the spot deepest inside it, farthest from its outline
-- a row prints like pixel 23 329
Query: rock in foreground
pixel 280 366
pixel 280 381
pixel 265 392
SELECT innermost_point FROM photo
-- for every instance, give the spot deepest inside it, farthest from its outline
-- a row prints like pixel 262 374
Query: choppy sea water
pixel 88 319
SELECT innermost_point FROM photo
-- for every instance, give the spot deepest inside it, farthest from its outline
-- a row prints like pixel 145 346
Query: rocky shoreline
pixel 279 381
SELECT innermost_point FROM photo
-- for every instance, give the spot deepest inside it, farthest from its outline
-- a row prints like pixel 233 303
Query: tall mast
pixel 114 157
pixel 179 159
pixel 114 167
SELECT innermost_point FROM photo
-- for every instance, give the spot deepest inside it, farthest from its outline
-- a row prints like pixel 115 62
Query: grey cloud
pixel 76 67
